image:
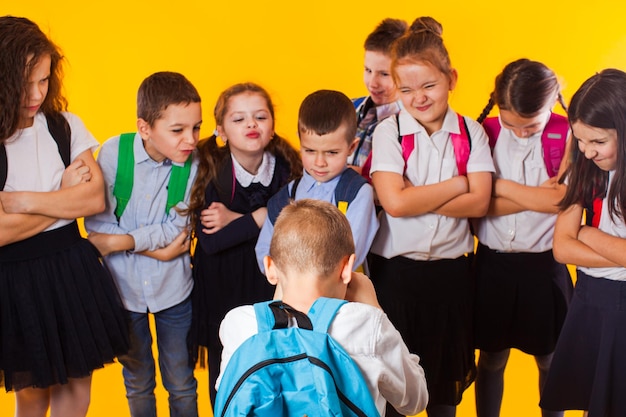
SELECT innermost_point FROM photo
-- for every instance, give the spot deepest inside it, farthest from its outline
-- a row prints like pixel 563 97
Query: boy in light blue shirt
pixel 145 241
pixel 327 127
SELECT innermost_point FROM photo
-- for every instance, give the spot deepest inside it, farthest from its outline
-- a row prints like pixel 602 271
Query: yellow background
pixel 293 48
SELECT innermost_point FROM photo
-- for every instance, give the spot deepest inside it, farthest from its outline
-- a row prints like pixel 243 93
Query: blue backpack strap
pixel 357 102
pixel 264 317
pixel 323 312
pixel 347 188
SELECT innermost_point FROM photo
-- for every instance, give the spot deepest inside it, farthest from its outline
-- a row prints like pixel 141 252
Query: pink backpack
pixel 552 140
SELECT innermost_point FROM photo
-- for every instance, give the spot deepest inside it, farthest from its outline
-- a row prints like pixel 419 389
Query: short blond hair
pixel 311 235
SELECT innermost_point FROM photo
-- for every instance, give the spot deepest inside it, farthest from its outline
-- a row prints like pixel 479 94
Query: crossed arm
pixel 24 214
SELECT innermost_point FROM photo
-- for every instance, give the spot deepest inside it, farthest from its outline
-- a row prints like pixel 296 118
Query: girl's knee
pixel 32 402
pixel 493 361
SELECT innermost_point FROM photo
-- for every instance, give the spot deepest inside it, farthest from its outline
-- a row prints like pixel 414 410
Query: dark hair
pixel 523 87
pixel 600 102
pixel 211 155
pixel 386 33
pixel 422 43
pixel 22 45
pixel 160 90
pixel 324 111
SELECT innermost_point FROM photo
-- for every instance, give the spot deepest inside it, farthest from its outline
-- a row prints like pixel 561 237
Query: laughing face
pixel 597 144
pixel 378 79
pixel 174 135
pixel 424 91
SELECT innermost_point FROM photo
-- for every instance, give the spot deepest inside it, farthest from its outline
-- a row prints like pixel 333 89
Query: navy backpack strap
pixel 279 200
pixel 3 166
pixel 272 315
pixel 323 312
pixel 60 130
pixel 348 186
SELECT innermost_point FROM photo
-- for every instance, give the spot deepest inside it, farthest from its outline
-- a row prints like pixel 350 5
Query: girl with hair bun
pixel 421 258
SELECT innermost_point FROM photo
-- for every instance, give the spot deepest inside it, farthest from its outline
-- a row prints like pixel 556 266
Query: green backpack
pixel 124 177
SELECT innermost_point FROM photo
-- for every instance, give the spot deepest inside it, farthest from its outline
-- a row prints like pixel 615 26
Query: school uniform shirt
pixel 519 160
pixel 33 159
pixel 428 236
pixel 146 284
pixel 616 227
pixel 368 117
pixel 361 214
pixel 391 372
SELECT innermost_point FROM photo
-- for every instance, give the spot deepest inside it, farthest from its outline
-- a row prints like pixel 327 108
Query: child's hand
pixel 76 173
pixel 177 247
pixel 550 183
pixel 216 217
pixel 361 290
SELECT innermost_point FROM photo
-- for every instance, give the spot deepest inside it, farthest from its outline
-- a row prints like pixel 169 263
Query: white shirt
pixel 519 160
pixel 391 372
pixel 427 236
pixel 613 226
pixel 33 159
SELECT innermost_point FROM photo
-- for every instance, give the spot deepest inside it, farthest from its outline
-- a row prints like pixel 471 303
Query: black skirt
pixel 61 315
pixel 430 303
pixel 521 301
pixel 588 371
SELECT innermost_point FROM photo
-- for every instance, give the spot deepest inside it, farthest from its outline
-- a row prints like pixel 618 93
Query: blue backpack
pixel 293 371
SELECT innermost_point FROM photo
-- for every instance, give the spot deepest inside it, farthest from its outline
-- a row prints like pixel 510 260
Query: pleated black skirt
pixel 61 315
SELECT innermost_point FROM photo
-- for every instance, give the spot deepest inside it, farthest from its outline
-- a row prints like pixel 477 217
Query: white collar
pixel 264 174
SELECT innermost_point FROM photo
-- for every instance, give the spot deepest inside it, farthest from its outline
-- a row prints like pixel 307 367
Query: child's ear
pixel 454 76
pixel 143 128
pixel 220 132
pixel 270 270
pixel 353 146
pixel 346 269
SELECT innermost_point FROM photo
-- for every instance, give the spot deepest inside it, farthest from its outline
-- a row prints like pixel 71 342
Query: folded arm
pixel 576 248
pixel 401 199
pixel 83 199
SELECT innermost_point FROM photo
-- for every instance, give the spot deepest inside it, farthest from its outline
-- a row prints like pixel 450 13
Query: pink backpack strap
pixel 462 146
pixel 492 128
pixel 407 142
pixel 461 143
pixel 597 212
pixel 553 142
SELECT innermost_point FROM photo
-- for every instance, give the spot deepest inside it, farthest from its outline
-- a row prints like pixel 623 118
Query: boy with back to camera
pixel 311 256
pixel 143 236
pixel 327 128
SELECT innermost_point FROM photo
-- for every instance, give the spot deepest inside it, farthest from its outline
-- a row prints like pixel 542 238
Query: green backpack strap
pixel 177 185
pixel 125 173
